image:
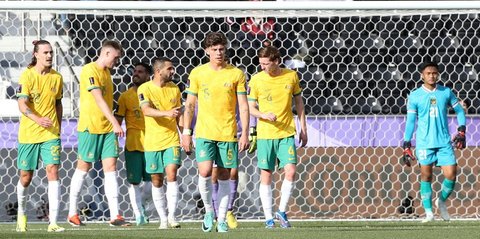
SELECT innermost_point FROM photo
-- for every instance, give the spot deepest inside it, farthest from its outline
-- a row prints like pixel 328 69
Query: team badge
pixel 92 80
pixel 433 101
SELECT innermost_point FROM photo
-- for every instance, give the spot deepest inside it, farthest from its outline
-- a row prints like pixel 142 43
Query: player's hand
pixel 175 112
pixel 459 139
pixel 243 143
pixel 45 122
pixel 187 144
pixel 408 156
pixel 269 116
pixel 303 138
pixel 252 138
pixel 117 129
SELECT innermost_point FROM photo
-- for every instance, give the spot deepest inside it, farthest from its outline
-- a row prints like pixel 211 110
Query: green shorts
pixel 92 147
pixel 224 154
pixel 28 154
pixel 135 164
pixel 268 150
pixel 158 160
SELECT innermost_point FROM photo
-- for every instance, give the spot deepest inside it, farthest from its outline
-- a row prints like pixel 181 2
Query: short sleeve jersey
pixel 42 92
pixel 217 100
pixel 274 94
pixel 129 107
pixel 91 117
pixel 160 132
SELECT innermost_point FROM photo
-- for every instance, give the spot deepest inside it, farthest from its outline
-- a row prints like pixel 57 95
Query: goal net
pixel 356 66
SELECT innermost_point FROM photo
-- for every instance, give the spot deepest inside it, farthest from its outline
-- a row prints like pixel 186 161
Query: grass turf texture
pixel 252 230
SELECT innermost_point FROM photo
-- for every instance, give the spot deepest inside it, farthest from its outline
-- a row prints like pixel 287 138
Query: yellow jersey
pixel 42 92
pixel 274 94
pixel 160 132
pixel 216 92
pixel 129 107
pixel 91 117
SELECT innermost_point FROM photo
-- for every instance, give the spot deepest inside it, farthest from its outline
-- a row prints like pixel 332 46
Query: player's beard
pixel 137 81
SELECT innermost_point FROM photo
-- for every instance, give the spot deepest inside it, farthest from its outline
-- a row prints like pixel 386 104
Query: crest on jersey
pixel 433 101
pixel 92 80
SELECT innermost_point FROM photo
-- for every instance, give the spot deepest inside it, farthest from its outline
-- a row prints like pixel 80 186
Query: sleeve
pixel 192 83
pixel 251 91
pixel 90 79
pixel 455 103
pixel 143 97
pixel 24 86
pixel 411 117
pixel 297 90
pixel 241 84
pixel 121 108
pixel 59 95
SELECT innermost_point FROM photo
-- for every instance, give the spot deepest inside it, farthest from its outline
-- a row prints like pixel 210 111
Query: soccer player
pixel 97 131
pixel 129 107
pixel 40 101
pixel 160 101
pixel 272 91
pixel 429 104
pixel 217 86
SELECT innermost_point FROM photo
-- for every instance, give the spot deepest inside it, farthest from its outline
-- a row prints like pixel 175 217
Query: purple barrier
pixel 335 131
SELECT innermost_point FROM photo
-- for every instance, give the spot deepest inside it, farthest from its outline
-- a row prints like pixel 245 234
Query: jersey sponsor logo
pixel 92 80
pixel 141 97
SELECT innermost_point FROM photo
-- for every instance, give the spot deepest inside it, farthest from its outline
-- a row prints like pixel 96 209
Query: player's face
pixel 112 57
pixel 430 75
pixel 216 54
pixel 270 67
pixel 140 75
pixel 44 55
pixel 167 71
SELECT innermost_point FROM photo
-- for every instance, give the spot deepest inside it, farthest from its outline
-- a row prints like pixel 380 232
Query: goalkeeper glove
pixel 459 140
pixel 252 137
pixel 408 156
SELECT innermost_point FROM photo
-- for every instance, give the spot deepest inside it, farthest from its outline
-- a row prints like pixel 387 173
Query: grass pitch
pixel 253 230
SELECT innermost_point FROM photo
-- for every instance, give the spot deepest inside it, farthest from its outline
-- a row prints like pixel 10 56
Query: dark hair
pixel 145 65
pixel 159 61
pixel 215 38
pixel 113 44
pixel 36 45
pixel 270 52
pixel 427 64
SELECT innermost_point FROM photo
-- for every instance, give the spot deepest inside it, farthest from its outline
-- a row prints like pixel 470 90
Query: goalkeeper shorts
pixel 135 164
pixel 438 156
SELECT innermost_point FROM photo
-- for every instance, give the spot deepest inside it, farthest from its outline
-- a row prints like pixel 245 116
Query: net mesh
pixel 356 69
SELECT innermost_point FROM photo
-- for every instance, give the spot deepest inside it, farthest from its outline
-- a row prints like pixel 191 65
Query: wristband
pixel 187 132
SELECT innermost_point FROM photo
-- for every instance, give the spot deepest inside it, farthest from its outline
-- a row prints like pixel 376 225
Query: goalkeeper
pixel 429 103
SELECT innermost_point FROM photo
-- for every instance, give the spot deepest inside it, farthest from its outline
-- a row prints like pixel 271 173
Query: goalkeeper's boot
pixel 270 224
pixel 231 220
pixel 53 227
pixel 222 227
pixel 428 218
pixel 207 224
pixel 75 221
pixel 282 217
pixel 140 220
pixel 22 223
pixel 443 209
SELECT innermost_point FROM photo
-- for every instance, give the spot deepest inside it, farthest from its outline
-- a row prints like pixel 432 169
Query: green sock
pixel 447 188
pixel 426 194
